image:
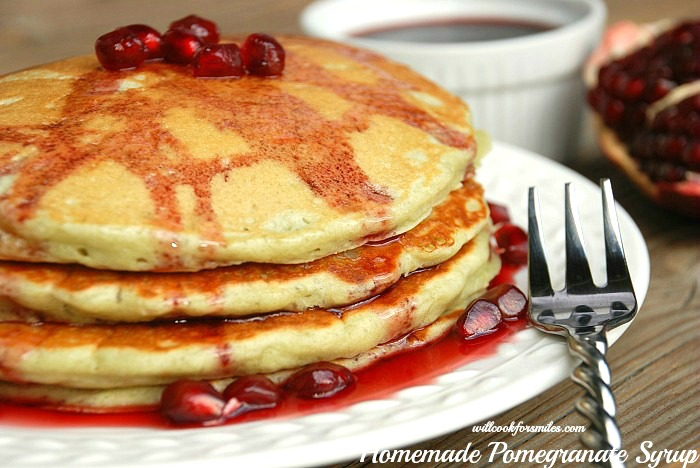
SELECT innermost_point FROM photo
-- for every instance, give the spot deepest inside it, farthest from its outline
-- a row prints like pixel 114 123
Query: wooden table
pixel 656 364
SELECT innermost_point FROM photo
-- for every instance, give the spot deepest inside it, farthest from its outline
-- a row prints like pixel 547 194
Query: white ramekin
pixel 527 91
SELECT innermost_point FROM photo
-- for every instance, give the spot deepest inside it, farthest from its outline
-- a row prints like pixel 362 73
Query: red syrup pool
pixel 456 30
pixel 415 367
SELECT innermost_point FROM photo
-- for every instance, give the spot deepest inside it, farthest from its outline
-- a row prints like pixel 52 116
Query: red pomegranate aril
pixel 691 156
pixel 512 241
pixel 510 234
pixel 606 76
pixel 217 61
pixel 662 171
pixel 675 122
pixel 150 38
pixel 499 213
pixel 515 254
pixel 481 317
pixel 191 401
pixel 204 29
pixel 595 98
pixel 659 89
pixel 613 112
pixel 634 89
pixel 180 47
pixel 673 148
pixel 320 380
pixel 263 55
pixel 691 104
pixel 510 300
pixel 254 391
pixel 120 49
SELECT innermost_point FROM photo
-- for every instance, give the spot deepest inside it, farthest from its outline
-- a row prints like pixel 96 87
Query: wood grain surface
pixel 656 364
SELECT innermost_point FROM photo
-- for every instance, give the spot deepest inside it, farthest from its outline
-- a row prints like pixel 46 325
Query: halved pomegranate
pixel 644 85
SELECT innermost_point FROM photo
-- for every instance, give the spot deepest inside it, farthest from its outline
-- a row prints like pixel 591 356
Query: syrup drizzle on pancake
pixel 377 264
pixel 275 124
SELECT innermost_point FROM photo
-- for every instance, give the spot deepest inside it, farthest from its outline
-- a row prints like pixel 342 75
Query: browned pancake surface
pixel 78 294
pixel 155 169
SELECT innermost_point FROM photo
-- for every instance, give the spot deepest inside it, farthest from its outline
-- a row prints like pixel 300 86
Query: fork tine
pixel 540 284
pixel 616 264
pixel 578 272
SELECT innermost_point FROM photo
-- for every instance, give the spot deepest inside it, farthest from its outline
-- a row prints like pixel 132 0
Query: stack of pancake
pixel 156 226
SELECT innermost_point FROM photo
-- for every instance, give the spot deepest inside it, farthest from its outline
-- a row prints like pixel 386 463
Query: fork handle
pixel 598 403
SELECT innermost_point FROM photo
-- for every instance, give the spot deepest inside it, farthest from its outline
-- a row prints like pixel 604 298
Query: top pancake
pixel 152 169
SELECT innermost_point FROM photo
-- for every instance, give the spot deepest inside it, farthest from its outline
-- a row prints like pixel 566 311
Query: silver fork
pixel 584 312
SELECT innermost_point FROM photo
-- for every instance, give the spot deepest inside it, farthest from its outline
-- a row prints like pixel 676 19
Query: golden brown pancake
pixel 147 398
pixel 153 169
pixel 76 294
pixel 125 355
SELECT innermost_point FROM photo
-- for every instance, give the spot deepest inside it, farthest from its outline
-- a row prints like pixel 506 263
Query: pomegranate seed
pixel 674 123
pixel 634 89
pixel 606 75
pixel 254 391
pixel 660 88
pixel 613 112
pixel 596 97
pixel 691 156
pixel 511 301
pixel 218 60
pixel 480 318
pixel 120 49
pixel 515 254
pixel 202 28
pixel 190 401
pixel 499 213
pixel 673 148
pixel 512 241
pixel 510 234
pixel 180 47
pixel 320 380
pixel 263 55
pixel 692 103
pixel 150 38
pixel 618 84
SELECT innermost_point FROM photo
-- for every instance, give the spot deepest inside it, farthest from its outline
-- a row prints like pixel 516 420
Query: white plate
pixel 519 370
